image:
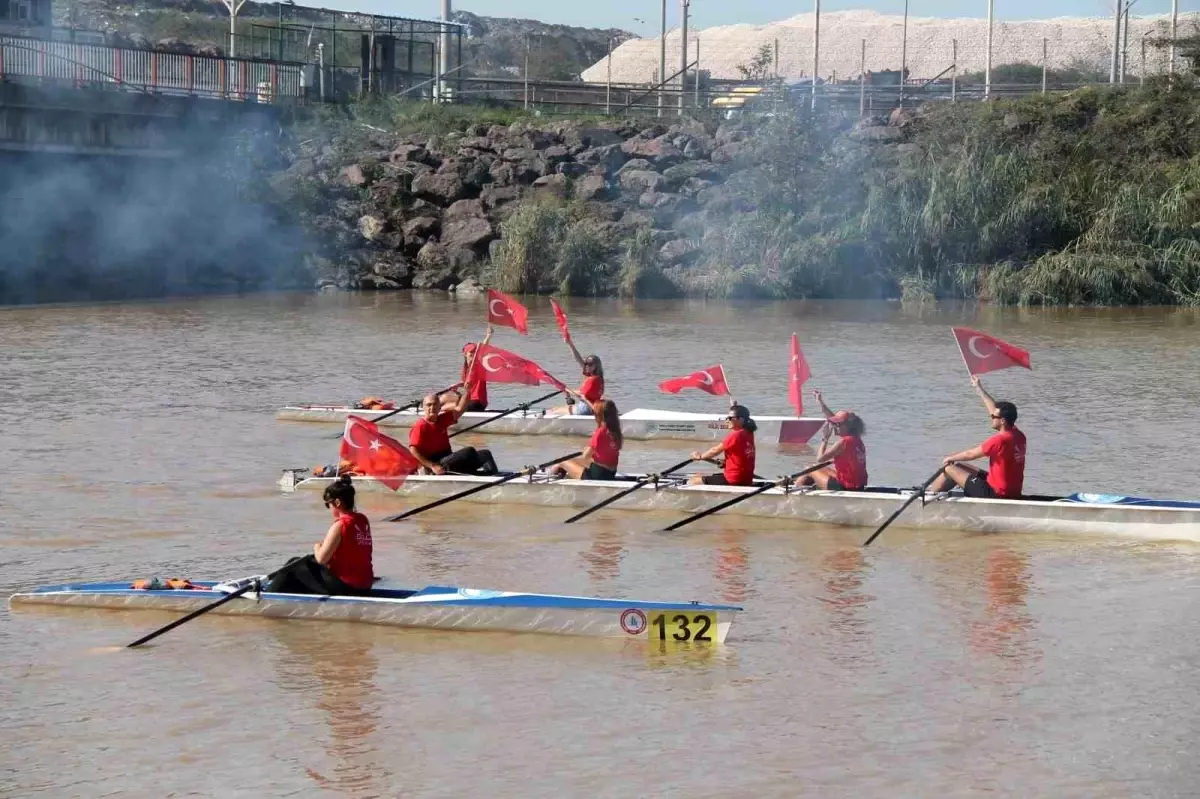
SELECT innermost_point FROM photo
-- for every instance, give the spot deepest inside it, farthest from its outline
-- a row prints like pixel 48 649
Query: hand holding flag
pixel 507 312
pixel 561 318
pixel 711 380
pixel 372 453
pixel 798 373
pixel 983 353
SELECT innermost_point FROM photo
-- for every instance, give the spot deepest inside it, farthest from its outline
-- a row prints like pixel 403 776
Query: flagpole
pixel 962 354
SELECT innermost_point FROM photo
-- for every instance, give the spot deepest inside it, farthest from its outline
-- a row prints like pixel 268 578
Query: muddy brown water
pixel 140 440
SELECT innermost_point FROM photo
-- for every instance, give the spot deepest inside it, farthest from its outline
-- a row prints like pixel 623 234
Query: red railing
pixel 150 70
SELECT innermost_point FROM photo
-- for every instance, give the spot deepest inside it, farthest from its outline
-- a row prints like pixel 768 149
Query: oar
pixel 523 406
pixel 919 493
pixel 605 503
pixel 200 612
pixel 485 486
pixel 742 497
pixel 401 409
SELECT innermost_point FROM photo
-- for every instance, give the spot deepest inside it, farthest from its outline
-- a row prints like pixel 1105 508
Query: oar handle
pixel 743 497
pixel 521 407
pixel 606 502
pixel 916 495
pixel 483 487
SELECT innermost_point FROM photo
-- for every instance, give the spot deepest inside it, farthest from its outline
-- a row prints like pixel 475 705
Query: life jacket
pixel 169 584
pixel 374 404
pixel 342 467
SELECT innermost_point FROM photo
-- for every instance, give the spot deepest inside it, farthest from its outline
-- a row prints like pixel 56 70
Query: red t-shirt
pixel 431 438
pixel 604 449
pixel 850 464
pixel 478 388
pixel 592 389
pixel 351 561
pixel 1006 463
pixel 739 458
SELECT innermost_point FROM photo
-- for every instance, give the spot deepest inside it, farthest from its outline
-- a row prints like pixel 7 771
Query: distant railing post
pixel 190 72
pixel 119 66
pixel 154 70
pixel 221 77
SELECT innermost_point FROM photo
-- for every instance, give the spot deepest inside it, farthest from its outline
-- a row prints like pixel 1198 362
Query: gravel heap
pixel 1072 41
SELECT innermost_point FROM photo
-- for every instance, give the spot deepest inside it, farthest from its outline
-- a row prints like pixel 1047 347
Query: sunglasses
pixel 996 416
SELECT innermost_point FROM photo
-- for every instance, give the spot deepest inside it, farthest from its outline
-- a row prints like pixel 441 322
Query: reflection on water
pixel 1004 628
pixel 603 558
pixel 843 573
pixel 732 567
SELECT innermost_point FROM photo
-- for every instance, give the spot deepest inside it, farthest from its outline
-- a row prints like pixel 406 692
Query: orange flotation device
pixel 169 584
pixel 342 467
pixel 375 404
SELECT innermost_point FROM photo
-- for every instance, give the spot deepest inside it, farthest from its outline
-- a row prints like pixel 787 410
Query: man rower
pixel 1005 450
pixel 429 438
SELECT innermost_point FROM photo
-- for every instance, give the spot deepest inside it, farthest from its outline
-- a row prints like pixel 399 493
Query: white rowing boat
pixel 640 424
pixel 436 607
pixel 1086 514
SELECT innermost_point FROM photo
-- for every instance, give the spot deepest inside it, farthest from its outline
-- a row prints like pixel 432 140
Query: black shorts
pixel 595 471
pixel 833 484
pixel 719 480
pixel 977 486
pixel 476 405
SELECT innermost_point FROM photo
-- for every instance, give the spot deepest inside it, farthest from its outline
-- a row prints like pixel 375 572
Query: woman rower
pixel 849 469
pixel 581 400
pixel 340 564
pixel 600 456
pixel 429 438
pixel 477 397
pixel 738 447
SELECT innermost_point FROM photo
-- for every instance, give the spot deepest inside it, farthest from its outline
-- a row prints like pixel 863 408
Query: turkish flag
pixel 561 318
pixel 797 374
pixel 376 455
pixel 983 353
pixel 500 366
pixel 711 380
pixel 503 310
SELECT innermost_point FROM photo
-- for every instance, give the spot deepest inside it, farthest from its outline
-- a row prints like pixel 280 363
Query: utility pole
pixel 816 49
pixel 1174 31
pixel 987 69
pixel 234 6
pixel 1125 44
pixel 662 59
pixel 683 45
pixel 444 56
pixel 608 81
pixel 527 72
pixel 1116 45
pixel 904 54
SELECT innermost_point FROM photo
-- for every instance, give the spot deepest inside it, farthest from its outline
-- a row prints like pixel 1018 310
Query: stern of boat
pixel 290 479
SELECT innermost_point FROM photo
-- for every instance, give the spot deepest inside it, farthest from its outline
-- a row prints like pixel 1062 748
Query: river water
pixel 139 440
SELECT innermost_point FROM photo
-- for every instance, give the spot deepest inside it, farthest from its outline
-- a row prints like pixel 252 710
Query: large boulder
pixel 421 227
pixel 354 175
pixel 678 251
pixel 572 169
pixel 494 197
pixel 642 180
pixel 555 154
pixel 468 233
pixel 728 152
pixel 554 185
pixel 412 153
pixel 464 209
pixel 660 151
pixel 435 270
pixel 596 137
pixel 443 188
pixel 591 187
pixel 681 173
pixel 610 157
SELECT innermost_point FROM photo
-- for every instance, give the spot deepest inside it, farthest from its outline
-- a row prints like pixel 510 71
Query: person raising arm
pixel 590 390
pixel 849 469
pixel 1005 450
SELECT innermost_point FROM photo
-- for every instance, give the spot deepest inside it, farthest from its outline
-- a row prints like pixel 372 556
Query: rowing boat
pixel 435 607
pixel 1086 514
pixel 639 424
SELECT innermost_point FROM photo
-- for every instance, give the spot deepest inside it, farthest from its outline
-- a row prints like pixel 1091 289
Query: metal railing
pixel 150 71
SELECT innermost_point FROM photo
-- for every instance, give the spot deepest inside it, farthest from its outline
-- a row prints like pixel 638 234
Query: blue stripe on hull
pixel 428 595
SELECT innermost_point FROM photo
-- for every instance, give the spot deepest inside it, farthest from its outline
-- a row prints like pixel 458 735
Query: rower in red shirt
pixel 738 447
pixel 601 455
pixel 341 562
pixel 848 472
pixel 429 438
pixel 1005 476
pixel 581 401
pixel 477 397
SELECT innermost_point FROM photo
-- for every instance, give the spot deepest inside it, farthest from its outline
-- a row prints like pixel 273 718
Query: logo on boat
pixel 633 621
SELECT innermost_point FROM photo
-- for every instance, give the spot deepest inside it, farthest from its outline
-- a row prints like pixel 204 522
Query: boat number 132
pixel 683 626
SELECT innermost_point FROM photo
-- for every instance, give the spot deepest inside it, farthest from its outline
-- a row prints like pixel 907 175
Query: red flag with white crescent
pixel 711 380
pixel 983 353
pixel 500 366
pixel 561 318
pixel 503 310
pixel 373 454
pixel 798 373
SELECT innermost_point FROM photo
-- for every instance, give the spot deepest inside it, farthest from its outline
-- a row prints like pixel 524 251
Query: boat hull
pixel 444 609
pixel 843 508
pixel 638 424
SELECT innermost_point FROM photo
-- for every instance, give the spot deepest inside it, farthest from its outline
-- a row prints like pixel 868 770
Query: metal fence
pixel 150 71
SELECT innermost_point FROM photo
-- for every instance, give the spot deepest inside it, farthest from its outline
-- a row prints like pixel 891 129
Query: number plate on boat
pixel 683 626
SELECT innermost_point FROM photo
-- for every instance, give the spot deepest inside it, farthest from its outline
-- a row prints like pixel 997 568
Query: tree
pixel 759 66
